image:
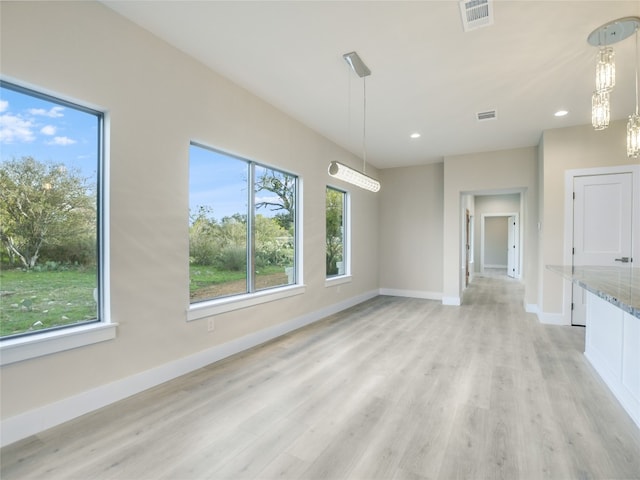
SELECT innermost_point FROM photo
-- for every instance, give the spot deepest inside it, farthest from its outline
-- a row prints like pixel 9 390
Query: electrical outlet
pixel 211 325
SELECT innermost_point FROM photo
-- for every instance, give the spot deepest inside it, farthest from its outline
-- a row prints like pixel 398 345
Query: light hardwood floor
pixel 392 388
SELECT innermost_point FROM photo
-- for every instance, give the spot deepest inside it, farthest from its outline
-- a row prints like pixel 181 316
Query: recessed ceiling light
pixel 560 113
pixel 415 135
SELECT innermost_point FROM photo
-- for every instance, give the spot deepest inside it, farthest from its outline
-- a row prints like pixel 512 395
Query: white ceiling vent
pixel 487 115
pixel 476 13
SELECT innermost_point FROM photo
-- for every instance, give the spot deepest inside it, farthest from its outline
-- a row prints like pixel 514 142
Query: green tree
pixel 334 214
pixel 204 237
pixel 283 186
pixel 42 204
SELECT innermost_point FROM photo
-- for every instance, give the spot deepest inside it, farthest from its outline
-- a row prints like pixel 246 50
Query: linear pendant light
pixel 339 170
pixel 348 174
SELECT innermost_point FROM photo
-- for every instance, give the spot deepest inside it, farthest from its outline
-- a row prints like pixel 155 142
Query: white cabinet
pixel 612 345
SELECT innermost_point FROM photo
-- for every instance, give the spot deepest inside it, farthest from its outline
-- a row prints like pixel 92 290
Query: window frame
pixel 219 305
pixel 346 277
pixel 39 343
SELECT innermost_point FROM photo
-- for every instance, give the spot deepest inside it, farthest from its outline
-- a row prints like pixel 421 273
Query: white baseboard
pixel 37 420
pixel 531 308
pixel 411 293
pixel 486 265
pixel 454 301
pixel 552 318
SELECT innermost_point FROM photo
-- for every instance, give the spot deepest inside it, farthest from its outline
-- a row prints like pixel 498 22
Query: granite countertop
pixel 617 285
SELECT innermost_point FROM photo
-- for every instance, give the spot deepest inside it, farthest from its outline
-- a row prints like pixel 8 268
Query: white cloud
pixel 3 105
pixel 62 141
pixel 15 129
pixel 267 199
pixel 53 112
pixel 48 130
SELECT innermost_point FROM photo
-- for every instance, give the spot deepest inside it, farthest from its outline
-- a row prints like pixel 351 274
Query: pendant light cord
pixel 364 124
pixel 636 70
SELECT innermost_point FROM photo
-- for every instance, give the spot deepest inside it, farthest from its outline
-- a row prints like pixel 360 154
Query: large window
pixel 336 218
pixel 50 193
pixel 242 226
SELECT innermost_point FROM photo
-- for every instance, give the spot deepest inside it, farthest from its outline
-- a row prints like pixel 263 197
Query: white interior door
pixel 513 249
pixel 602 226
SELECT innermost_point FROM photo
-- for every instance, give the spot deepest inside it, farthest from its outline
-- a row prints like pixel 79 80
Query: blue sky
pixel 48 132
pixel 219 181
pixel 54 133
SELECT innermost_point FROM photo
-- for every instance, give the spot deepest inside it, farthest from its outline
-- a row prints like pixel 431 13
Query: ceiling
pixel 428 75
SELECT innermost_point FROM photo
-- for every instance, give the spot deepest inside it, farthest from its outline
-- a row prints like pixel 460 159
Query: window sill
pixel 338 280
pixel 236 302
pixel 45 343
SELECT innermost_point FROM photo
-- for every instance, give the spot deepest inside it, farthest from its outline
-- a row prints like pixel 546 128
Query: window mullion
pixel 251 244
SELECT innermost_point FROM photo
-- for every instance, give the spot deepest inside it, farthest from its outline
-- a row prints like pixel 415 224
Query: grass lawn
pixel 32 300
pixel 36 300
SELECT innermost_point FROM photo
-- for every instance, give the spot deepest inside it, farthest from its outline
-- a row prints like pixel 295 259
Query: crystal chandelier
pixel 633 125
pixel 602 37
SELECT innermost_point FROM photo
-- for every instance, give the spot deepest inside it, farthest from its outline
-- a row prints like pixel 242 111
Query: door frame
pixel 518 239
pixel 569 176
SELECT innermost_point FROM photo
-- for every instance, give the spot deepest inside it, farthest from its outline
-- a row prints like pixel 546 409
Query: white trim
pixel 31 422
pixel 552 318
pixel 236 302
pixel 411 293
pixel 37 345
pixel 337 280
pixel 482 240
pixel 454 301
pixel 532 308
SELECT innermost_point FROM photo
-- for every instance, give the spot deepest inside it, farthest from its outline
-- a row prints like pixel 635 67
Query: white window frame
pixel 38 344
pixel 217 306
pixel 346 277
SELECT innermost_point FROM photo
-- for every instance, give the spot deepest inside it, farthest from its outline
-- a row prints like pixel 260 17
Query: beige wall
pixel 568 149
pixel 507 171
pixel 157 100
pixel 495 242
pixel 411 230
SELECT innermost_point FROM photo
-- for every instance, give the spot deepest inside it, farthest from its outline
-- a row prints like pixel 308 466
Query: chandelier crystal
pixel 605 70
pixel 633 136
pixel 600 111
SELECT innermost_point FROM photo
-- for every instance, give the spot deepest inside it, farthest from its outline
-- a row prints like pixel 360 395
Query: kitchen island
pixel 612 337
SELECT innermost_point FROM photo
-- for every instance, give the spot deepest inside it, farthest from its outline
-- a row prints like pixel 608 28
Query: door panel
pixel 602 224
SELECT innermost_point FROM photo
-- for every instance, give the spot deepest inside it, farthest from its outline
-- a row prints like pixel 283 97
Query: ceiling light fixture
pixel 339 170
pixel 561 113
pixel 415 135
pixel 633 125
pixel 602 37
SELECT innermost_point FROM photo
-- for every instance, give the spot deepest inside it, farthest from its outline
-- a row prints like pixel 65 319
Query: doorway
pixel 500 242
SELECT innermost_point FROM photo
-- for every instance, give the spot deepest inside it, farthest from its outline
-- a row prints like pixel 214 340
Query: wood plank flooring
pixel 394 388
